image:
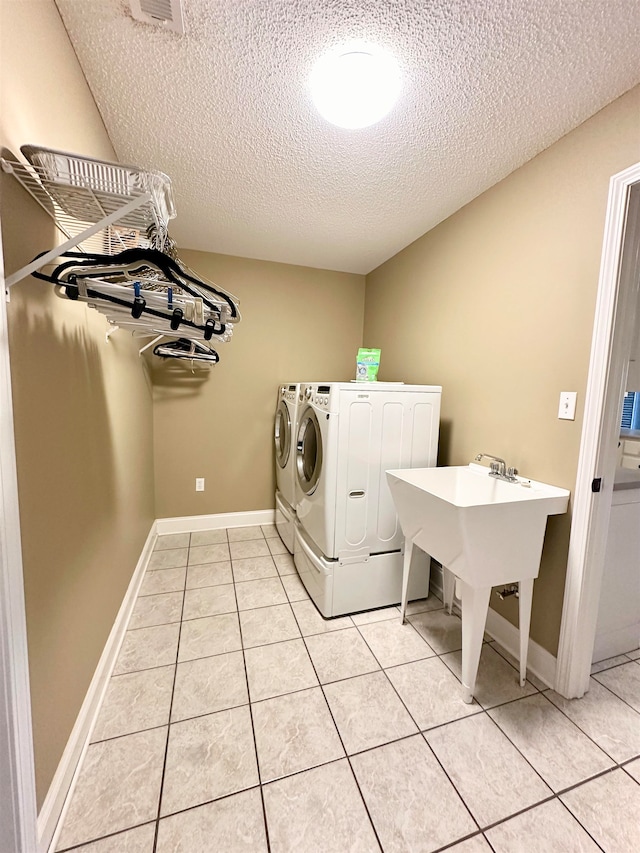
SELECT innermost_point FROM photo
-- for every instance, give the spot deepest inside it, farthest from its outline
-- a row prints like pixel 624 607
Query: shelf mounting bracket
pixel 43 260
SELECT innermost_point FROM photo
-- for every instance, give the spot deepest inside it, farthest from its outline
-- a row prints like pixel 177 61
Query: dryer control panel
pixel 289 393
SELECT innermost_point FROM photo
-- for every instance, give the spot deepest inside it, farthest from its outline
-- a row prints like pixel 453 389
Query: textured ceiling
pixel 225 111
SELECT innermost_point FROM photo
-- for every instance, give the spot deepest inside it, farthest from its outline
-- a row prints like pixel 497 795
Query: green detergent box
pixel 367 365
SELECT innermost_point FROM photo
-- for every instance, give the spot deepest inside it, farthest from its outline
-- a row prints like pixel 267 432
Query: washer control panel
pixel 320 396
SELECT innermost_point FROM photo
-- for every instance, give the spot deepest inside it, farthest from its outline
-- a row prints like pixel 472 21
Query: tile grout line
pixel 420 733
pixel 484 711
pixel 554 798
pixel 473 817
pixel 481 709
pixel 346 754
pixel 500 649
pixel 195 806
pixel 611 666
pixel 233 793
pixel 555 795
pixel 253 728
pixel 84 844
pixel 579 822
pixel 250 713
pixel 137 731
pixel 443 654
pixel 606 687
pixel 454 844
pixel 173 689
pixel 599 775
pixel 303 689
pixel 587 735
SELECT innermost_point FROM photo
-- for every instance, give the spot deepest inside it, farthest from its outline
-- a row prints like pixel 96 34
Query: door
pixel 309 452
pixel 282 434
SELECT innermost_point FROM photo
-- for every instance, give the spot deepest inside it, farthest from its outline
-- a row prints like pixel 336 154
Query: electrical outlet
pixel 567 408
pixel 199 484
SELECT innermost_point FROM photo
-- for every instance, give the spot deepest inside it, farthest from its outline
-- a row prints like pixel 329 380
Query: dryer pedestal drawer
pixel 285 520
pixel 370 583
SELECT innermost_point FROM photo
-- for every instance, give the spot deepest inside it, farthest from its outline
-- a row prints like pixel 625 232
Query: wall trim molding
pixel 436 582
pixel 187 523
pixel 539 661
pixel 17 778
pixel 59 794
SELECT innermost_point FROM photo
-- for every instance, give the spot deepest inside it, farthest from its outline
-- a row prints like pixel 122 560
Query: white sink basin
pixel 484 530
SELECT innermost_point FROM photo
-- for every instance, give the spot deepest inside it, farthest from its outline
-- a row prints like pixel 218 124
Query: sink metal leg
pixel 406 571
pixel 475 604
pixel 524 613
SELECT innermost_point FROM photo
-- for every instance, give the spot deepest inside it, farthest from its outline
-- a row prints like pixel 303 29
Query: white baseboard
pixel 435 580
pixel 539 661
pixel 187 523
pixel 59 794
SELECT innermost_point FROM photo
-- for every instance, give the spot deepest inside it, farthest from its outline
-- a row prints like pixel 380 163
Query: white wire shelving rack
pixel 98 206
pixel 103 208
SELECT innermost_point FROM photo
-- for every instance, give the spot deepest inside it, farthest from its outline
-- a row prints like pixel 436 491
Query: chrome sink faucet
pixel 498 468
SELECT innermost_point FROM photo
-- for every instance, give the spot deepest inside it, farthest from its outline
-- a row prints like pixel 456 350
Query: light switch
pixel 567 409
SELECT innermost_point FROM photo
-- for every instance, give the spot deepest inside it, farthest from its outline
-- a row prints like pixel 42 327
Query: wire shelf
pixel 101 207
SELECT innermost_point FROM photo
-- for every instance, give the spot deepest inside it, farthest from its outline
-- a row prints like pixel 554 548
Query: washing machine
pixel 284 431
pixel 348 543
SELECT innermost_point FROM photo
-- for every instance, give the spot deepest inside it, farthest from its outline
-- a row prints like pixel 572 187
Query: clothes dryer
pixel 285 426
pixel 348 435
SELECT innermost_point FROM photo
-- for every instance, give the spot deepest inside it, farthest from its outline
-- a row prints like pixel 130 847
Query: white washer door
pixel 308 452
pixel 282 434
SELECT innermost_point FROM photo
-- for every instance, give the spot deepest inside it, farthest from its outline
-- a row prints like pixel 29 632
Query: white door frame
pixel 18 813
pixel 611 346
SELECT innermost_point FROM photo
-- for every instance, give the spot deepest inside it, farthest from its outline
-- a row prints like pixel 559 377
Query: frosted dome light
pixel 355 89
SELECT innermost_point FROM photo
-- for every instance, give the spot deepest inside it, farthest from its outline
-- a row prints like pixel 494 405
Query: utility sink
pixel 483 530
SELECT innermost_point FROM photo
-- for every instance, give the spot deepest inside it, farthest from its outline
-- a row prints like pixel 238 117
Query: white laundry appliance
pixel 284 430
pixel 348 542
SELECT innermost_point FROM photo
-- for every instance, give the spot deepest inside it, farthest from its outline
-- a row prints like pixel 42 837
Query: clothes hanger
pixel 186 349
pixel 148 308
pixel 172 269
pixel 70 272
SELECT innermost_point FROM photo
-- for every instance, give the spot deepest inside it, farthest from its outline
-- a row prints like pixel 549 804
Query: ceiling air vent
pixel 161 13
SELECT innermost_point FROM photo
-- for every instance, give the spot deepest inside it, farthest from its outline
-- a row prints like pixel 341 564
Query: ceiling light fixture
pixel 355 89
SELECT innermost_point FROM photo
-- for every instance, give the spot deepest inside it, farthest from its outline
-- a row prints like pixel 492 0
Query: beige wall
pixel 297 324
pixel 83 408
pixel 497 305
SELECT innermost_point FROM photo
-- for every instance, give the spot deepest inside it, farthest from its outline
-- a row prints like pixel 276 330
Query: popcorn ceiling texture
pixel 225 111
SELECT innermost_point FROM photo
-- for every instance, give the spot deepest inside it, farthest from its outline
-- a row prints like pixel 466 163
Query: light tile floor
pixel 239 721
